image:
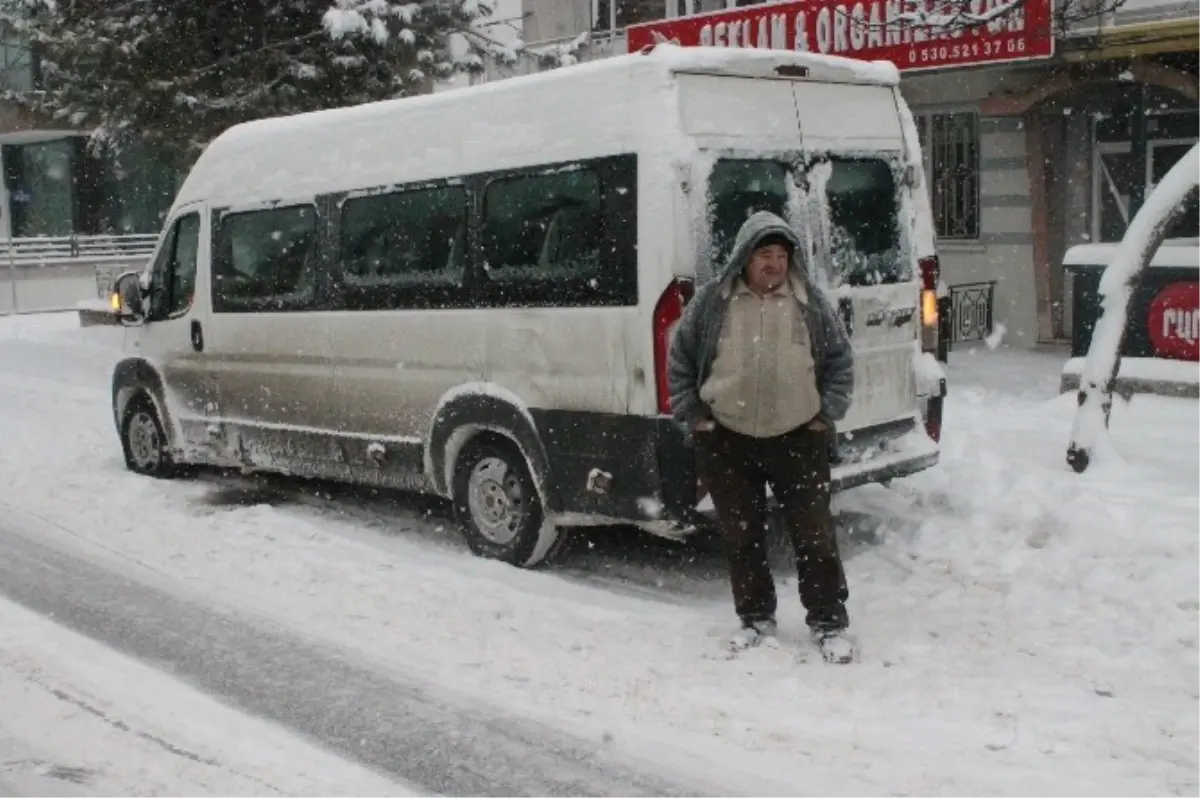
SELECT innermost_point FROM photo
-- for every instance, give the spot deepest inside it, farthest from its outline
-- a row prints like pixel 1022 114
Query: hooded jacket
pixel 694 347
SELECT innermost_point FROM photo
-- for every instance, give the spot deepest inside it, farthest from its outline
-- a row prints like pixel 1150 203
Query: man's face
pixel 768 268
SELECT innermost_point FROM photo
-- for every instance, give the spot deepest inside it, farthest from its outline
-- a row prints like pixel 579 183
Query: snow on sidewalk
pixel 1024 630
pixel 79 718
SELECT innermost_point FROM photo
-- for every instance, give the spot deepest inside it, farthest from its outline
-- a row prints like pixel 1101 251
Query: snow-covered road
pixel 445 745
pixel 81 719
pixel 1023 629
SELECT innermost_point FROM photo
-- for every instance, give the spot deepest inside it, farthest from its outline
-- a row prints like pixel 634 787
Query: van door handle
pixel 197 336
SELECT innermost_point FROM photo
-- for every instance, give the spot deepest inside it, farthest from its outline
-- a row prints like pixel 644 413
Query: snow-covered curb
pixel 1143 375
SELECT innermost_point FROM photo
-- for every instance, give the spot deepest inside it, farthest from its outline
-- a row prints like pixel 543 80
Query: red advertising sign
pixel 1174 322
pixel 912 34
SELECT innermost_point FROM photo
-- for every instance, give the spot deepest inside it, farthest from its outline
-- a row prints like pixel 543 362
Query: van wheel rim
pixel 496 500
pixel 144 445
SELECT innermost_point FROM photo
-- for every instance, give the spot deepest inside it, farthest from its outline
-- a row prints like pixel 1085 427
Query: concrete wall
pixel 57 287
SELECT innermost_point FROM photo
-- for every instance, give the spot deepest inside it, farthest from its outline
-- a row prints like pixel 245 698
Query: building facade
pixel 1035 137
pixel 55 186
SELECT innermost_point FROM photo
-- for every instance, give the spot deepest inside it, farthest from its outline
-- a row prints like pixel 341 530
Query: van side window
pixel 265 260
pixel 406 237
pixel 173 279
pixel 562 237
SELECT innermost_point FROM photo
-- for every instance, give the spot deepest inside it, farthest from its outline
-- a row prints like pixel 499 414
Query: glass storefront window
pixel 42 196
pixel 1116 173
pixel 57 188
pixel 1162 157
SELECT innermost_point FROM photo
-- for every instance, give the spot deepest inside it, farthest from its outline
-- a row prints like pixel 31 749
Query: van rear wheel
pixel 498 507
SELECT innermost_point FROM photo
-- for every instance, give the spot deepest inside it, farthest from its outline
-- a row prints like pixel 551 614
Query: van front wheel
pixel 145 442
pixel 497 505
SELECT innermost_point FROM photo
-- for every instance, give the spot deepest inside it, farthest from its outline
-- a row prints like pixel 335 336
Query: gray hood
pixel 694 347
pixel 760 225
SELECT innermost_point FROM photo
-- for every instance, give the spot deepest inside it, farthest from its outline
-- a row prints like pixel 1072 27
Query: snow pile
pixel 1023 630
pixel 1174 253
pixel 996 336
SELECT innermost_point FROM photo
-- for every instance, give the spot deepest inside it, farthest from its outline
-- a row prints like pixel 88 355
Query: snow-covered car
pixel 473 293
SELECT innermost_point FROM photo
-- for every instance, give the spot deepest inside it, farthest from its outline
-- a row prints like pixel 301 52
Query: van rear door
pixel 853 221
pixel 838 176
pixel 852 196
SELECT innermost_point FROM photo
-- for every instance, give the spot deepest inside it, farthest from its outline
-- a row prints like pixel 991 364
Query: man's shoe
pixel 835 646
pixel 754 633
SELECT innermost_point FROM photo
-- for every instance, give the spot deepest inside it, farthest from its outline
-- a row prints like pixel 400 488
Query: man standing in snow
pixel 760 369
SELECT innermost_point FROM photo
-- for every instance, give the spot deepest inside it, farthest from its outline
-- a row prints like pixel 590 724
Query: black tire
pixel 497 505
pixel 144 441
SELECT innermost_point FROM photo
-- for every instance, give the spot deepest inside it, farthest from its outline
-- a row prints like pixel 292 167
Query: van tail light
pixel 667 313
pixel 931 326
pixel 933 308
pixel 930 272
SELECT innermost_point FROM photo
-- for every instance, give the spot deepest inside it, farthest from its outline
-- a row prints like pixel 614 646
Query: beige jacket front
pixel 763 380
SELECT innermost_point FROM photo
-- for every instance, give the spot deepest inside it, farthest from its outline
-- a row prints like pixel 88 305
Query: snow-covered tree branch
pixel 1146 232
pixel 957 16
pixel 388 23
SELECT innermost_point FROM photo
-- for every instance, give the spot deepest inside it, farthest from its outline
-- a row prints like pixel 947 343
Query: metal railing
pixel 971 308
pixel 34 251
pixel 47 274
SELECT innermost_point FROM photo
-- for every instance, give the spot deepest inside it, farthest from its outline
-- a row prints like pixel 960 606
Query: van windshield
pixel 862 198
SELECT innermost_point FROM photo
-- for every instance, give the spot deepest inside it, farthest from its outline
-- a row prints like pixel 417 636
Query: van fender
pixel 475 408
pixel 135 375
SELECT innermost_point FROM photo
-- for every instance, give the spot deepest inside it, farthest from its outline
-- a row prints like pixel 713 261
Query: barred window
pixel 950 143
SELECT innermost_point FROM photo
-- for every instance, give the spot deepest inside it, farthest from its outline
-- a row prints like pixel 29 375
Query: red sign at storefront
pixel 1174 322
pixel 912 34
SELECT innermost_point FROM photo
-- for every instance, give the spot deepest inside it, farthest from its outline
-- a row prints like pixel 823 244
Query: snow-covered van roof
pixel 590 109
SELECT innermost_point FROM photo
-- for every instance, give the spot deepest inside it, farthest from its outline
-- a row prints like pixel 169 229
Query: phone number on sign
pixel 967 51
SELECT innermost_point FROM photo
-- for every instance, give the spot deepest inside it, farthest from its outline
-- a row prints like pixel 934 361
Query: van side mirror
pixel 127 297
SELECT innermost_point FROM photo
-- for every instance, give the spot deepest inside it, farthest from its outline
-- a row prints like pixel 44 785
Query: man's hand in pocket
pixel 705 426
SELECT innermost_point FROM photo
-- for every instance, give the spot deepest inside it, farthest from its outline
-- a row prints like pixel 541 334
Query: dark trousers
pixel 737 468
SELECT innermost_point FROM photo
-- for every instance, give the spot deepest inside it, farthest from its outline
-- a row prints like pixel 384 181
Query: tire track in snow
pixel 395 727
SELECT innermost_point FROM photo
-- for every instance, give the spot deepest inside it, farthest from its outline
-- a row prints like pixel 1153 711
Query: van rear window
pixel 862 197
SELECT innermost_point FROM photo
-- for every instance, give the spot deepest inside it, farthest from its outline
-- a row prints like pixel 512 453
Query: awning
pixel 1132 41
